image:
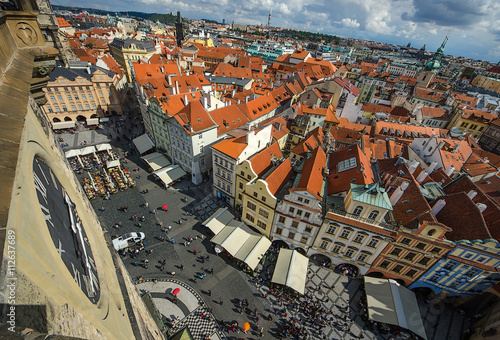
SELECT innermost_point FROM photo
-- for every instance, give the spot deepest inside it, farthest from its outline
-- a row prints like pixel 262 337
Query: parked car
pixel 128 240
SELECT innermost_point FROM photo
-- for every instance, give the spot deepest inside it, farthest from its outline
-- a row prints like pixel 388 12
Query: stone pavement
pixel 186 311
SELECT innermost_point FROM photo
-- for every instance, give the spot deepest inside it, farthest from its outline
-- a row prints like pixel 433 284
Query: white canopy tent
pixel 236 238
pixel 169 174
pixel 72 153
pixel 86 151
pixel 143 143
pixel 113 164
pixel 391 303
pixel 156 161
pixel 63 125
pixel 218 220
pixel 291 270
pixel 103 147
pixel 92 121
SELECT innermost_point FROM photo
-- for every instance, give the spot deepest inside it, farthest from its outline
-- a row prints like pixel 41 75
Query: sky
pixel 474 25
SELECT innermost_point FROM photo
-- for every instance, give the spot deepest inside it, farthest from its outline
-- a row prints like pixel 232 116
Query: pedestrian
pixel 212 271
pixel 194 251
pixel 154 211
pixel 182 267
pixel 173 241
pixel 221 302
pixel 209 292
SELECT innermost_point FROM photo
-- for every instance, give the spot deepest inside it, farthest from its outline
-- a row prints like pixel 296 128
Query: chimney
pixel 171 90
pixel 169 78
pixel 422 176
pixel 438 206
pixel 431 168
pixel 413 166
pixel 472 194
pixel 186 100
pixel 457 146
pixel 238 101
pixel 176 87
pixel 398 193
pixel 246 99
pixel 486 160
pixel 204 102
pixel 234 93
pixel 449 170
pixel 482 207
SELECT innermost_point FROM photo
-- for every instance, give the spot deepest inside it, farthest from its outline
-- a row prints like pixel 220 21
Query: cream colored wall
pixel 43 279
pixel 261 189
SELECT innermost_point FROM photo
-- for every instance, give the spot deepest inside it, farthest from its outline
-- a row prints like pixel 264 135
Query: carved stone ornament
pixel 26 33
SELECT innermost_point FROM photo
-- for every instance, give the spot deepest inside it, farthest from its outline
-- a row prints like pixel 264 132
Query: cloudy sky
pixel 474 24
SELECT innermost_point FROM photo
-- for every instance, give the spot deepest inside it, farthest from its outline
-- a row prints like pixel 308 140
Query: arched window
pixel 373 215
pixel 357 211
pixel 431 232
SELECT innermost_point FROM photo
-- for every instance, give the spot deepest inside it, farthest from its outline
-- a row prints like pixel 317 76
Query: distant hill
pixel 164 18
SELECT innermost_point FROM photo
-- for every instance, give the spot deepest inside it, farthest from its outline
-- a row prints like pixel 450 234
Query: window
pixel 49 89
pixel 406 241
pixel 291 210
pixel 103 102
pixel 424 261
pixel 304 240
pixel 396 251
pixel 472 272
pixel 359 238
pixel 73 108
pixel 59 97
pixel 362 257
pixel 410 256
pixel 57 108
pixel 349 252
pixel 50 109
pixel 357 211
pixel 420 245
pixel 240 185
pixel 263 213
pixel 449 266
pixel 331 229
pixel 93 106
pixel 431 232
pixel 347 164
pixel 242 173
pixel 279 231
pixel 385 264
pixel 255 194
pixel 295 224
pixel 249 177
pixel 435 278
pixel 336 248
pixel 240 197
pixel 80 107
pixel 345 233
pixel 64 108
pixel 481 259
pixel 88 88
pixel 307 215
pixel 91 97
pixel 306 201
pixel 373 243
pixel 397 268
pixel 411 272
pixel 263 199
pixel 300 199
pixel 373 215
pixel 100 92
pixel 282 219
pixel 76 97
pixel 435 250
pixel 323 245
pixel 299 212
pixel 249 217
pixel 291 235
pixel 261 224
pixel 251 206
pixel 52 98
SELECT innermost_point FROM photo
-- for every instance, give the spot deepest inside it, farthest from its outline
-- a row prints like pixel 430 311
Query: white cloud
pixel 348 22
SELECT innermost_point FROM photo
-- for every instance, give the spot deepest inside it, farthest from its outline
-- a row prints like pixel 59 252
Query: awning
pixel 169 174
pixel 63 125
pixel 291 270
pixel 92 121
pixel 242 244
pixel 218 220
pixel 103 147
pixel 391 303
pixel 113 164
pixel 143 143
pixel 156 161
pixel 105 119
pixel 72 153
pixel 87 150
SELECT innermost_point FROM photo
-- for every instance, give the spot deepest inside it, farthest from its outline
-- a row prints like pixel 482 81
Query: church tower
pixel 179 32
pixel 426 76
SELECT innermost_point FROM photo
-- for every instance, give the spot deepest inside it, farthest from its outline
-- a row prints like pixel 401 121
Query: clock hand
pixel 77 232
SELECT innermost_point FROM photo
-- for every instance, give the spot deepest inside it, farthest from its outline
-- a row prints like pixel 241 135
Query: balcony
pixel 383 225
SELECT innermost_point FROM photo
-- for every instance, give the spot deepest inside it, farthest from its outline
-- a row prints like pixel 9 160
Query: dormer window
pixel 373 215
pixel 431 232
pixel 357 211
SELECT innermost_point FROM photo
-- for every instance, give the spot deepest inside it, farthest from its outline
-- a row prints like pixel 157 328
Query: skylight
pixel 347 164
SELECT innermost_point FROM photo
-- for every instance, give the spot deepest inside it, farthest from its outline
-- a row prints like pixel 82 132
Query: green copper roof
pixel 371 194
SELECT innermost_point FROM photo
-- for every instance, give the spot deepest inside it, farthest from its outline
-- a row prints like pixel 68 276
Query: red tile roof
pixel 195 116
pixel 311 179
pixel 262 161
pixel 279 177
pixel 232 147
pixel 62 22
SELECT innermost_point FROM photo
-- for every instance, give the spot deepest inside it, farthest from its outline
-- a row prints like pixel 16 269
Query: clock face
pixel 66 230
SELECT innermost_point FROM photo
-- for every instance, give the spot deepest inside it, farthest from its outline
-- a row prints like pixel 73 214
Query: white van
pixel 128 240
